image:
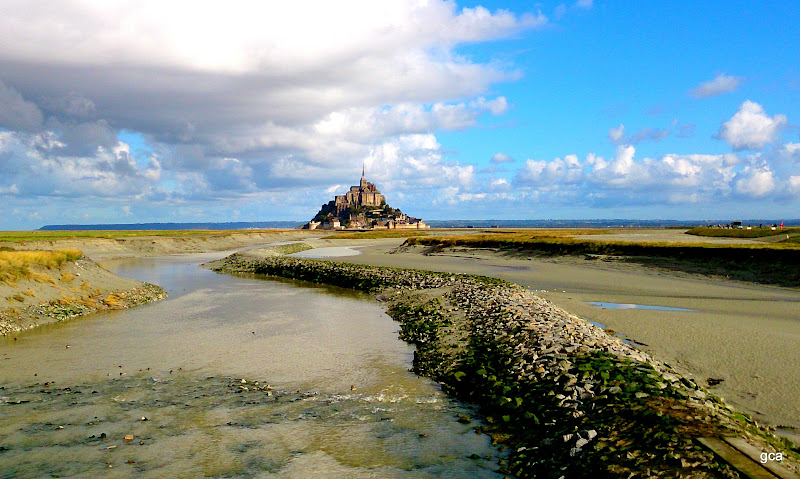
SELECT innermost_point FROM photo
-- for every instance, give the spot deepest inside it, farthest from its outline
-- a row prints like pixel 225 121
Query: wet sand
pixel 746 334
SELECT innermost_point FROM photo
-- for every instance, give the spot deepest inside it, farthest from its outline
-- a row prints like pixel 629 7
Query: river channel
pixel 228 377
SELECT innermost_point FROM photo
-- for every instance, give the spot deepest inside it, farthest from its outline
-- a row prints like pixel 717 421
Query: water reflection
pixel 636 306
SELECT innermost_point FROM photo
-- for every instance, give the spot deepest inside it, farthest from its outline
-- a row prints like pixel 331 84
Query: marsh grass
pixel 17 265
pixel 563 243
pixel 741 233
pixel 768 263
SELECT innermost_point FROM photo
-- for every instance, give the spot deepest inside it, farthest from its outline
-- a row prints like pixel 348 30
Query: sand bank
pixel 77 288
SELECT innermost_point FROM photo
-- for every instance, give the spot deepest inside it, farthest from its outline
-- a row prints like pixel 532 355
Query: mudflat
pixel 745 334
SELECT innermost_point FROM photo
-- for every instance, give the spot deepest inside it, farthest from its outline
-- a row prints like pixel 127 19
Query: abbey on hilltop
pixel 363 207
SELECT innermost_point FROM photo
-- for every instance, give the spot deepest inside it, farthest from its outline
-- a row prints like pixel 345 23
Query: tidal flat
pixel 559 392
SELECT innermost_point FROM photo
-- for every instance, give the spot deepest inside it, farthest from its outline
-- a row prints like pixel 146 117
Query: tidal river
pixel 228 377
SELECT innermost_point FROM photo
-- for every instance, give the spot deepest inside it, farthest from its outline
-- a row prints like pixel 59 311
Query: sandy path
pixel 748 335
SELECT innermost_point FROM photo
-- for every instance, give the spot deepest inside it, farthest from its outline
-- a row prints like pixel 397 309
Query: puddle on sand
pixel 603 305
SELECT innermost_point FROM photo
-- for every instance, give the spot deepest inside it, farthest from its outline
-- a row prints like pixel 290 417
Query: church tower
pixel 363 183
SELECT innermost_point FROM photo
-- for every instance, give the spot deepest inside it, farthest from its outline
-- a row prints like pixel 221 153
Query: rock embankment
pixel 564 397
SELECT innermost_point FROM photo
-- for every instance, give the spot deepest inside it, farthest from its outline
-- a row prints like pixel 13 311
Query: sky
pixel 123 111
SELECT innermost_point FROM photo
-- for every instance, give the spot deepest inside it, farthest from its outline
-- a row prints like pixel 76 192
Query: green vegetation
pixel 742 233
pixel 17 265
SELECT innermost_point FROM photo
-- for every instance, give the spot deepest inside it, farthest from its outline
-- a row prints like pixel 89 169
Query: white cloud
pixel 750 128
pixel 543 173
pixel 500 184
pixel 584 4
pixel 755 181
pixel 501 158
pixel 248 34
pixel 39 165
pixel 794 186
pixel 790 152
pixel 720 84
pixel 242 101
pixel 616 134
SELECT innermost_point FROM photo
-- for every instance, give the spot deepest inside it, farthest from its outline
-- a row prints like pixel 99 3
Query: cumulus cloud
pixel 558 171
pixel 720 84
pixel 624 179
pixel 39 165
pixel 273 99
pixel 755 181
pixel 751 128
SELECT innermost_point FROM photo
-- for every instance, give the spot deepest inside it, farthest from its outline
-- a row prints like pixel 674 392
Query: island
pixel 363 207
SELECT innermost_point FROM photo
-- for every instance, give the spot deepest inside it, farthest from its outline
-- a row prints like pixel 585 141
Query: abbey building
pixel 362 207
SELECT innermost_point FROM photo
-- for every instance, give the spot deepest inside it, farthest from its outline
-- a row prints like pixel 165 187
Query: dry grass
pixel 29 292
pixel 112 301
pixel 769 263
pixel 563 242
pixel 86 286
pixel 42 278
pixel 16 297
pixel 67 277
pixel 16 265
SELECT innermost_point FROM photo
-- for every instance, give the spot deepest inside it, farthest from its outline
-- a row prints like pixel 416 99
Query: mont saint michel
pixel 362 207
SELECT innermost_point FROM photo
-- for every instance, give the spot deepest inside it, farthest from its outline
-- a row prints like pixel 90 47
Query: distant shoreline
pixel 455 223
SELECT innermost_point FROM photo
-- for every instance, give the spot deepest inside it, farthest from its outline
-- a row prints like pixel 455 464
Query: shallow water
pixel 340 401
pixel 637 306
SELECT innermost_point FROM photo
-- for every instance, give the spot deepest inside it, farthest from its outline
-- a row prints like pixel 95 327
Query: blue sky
pixel 124 112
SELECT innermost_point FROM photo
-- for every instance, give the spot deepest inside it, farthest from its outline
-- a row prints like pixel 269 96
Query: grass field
pixel 742 233
pixel 21 236
pixel 17 265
